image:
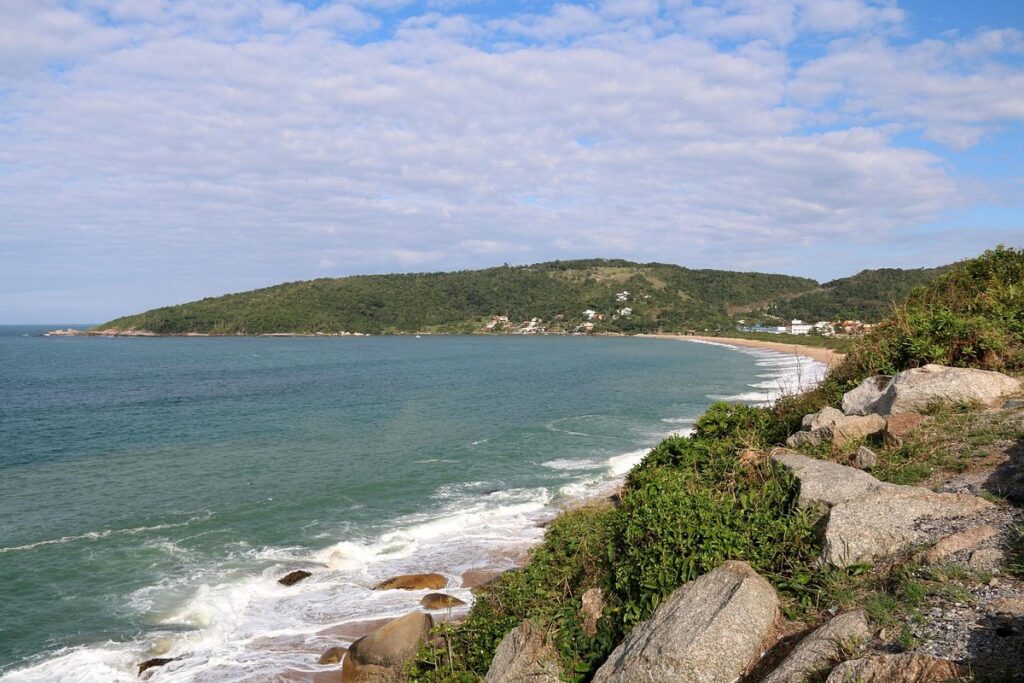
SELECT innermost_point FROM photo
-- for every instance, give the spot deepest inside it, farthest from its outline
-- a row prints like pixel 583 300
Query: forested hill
pixel 868 295
pixel 660 297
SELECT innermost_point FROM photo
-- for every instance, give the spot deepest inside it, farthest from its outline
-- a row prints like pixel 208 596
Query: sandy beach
pixel 827 356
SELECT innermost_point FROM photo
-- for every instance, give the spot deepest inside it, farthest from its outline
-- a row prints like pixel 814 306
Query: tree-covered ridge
pixel 869 295
pixel 661 297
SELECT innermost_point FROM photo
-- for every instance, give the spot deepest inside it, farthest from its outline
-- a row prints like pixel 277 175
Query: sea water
pixel 153 490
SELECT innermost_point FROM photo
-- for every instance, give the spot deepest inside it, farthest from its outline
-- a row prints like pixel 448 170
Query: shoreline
pixel 817 353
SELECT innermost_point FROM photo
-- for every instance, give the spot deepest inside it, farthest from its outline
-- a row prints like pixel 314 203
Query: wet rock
pixel 440 601
pixel 710 629
pixel 865 459
pixel 292 578
pixel 865 398
pixel 413 582
pixel 817 651
pixel 155 662
pixel 883 523
pixel 332 655
pixel 381 655
pixel 591 609
pixel 525 655
pixel 958 542
pixel 903 668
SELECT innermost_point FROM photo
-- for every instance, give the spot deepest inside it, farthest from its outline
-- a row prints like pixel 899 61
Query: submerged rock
pixel 413 582
pixel 440 601
pixel 525 655
pixel 820 649
pixel 710 629
pixel 292 578
pixel 155 662
pixel 332 655
pixel 904 668
pixel 381 655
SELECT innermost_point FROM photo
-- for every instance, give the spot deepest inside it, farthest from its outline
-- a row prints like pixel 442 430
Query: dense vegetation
pixel 869 295
pixel 694 502
pixel 661 298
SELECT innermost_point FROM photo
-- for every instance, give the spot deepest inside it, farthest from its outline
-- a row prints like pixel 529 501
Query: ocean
pixel 153 490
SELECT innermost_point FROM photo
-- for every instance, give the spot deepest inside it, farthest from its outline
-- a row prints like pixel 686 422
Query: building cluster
pixel 825 328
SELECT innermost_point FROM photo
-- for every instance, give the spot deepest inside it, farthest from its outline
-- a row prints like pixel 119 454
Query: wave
pixel 96 535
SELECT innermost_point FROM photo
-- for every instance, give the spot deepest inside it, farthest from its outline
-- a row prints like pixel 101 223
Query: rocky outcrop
pixel 825 417
pixel 381 655
pixel 332 655
pixel 440 601
pixel 840 431
pixel 710 629
pixel 292 578
pixel 904 668
pixel 591 609
pixel 413 582
pixel 154 662
pixel 883 523
pixel 869 519
pixel 820 649
pixel 959 542
pixel 525 655
pixel 920 388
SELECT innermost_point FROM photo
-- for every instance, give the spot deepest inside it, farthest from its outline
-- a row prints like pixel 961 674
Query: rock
pixel 921 388
pixel 986 558
pixel 863 399
pixel 154 662
pixel 1007 607
pixel 1013 404
pixel 852 428
pixel 591 609
pixel 827 483
pixel 904 668
pixel 900 425
pixel 825 417
pixel 440 601
pixel 292 578
pixel 865 459
pixel 817 651
pixel 882 523
pixel 958 542
pixel 381 655
pixel 332 655
pixel 710 629
pixel 525 655
pixel 808 439
pixel 413 582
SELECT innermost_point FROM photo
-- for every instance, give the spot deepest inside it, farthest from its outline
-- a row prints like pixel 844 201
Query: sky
pixel 158 151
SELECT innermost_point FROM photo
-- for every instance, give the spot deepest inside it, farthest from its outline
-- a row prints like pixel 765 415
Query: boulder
pixel 708 630
pixel 591 609
pixel 825 417
pixel 332 655
pixel 865 459
pixel 827 483
pixel 808 439
pixel 852 428
pixel 154 662
pixel 986 559
pixel 900 425
pixel 920 388
pixel 904 668
pixel 958 542
pixel 818 650
pixel 865 398
pixel 883 523
pixel 440 601
pixel 413 582
pixel 292 578
pixel 381 655
pixel 525 655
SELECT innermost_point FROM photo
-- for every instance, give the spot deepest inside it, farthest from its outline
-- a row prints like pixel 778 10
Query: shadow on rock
pixel 994 650
pixel 1007 479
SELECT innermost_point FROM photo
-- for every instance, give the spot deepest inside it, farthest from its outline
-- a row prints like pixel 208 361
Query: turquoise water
pixel 152 490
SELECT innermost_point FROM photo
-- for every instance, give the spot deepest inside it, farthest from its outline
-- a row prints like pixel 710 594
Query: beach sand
pixel 827 356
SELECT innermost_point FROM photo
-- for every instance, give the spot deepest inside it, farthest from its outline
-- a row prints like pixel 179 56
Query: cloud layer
pixel 154 151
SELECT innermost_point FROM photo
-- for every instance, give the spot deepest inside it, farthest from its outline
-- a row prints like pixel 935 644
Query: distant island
pixel 557 297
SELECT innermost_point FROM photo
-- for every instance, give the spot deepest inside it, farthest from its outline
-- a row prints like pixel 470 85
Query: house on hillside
pixel 589 314
pixel 799 327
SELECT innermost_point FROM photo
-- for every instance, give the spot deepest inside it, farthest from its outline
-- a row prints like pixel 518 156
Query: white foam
pixel 96 535
pixel 565 464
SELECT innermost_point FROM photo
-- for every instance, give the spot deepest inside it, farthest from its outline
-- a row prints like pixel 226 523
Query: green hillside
pixel 868 295
pixel 661 296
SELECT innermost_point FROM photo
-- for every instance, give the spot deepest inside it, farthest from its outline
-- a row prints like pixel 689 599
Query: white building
pixel 589 314
pixel 799 327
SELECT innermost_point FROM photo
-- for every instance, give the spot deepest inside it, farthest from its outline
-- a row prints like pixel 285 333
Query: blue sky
pixel 158 151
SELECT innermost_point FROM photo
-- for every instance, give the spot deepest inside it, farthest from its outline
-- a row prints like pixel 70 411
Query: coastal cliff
pixel 883 544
